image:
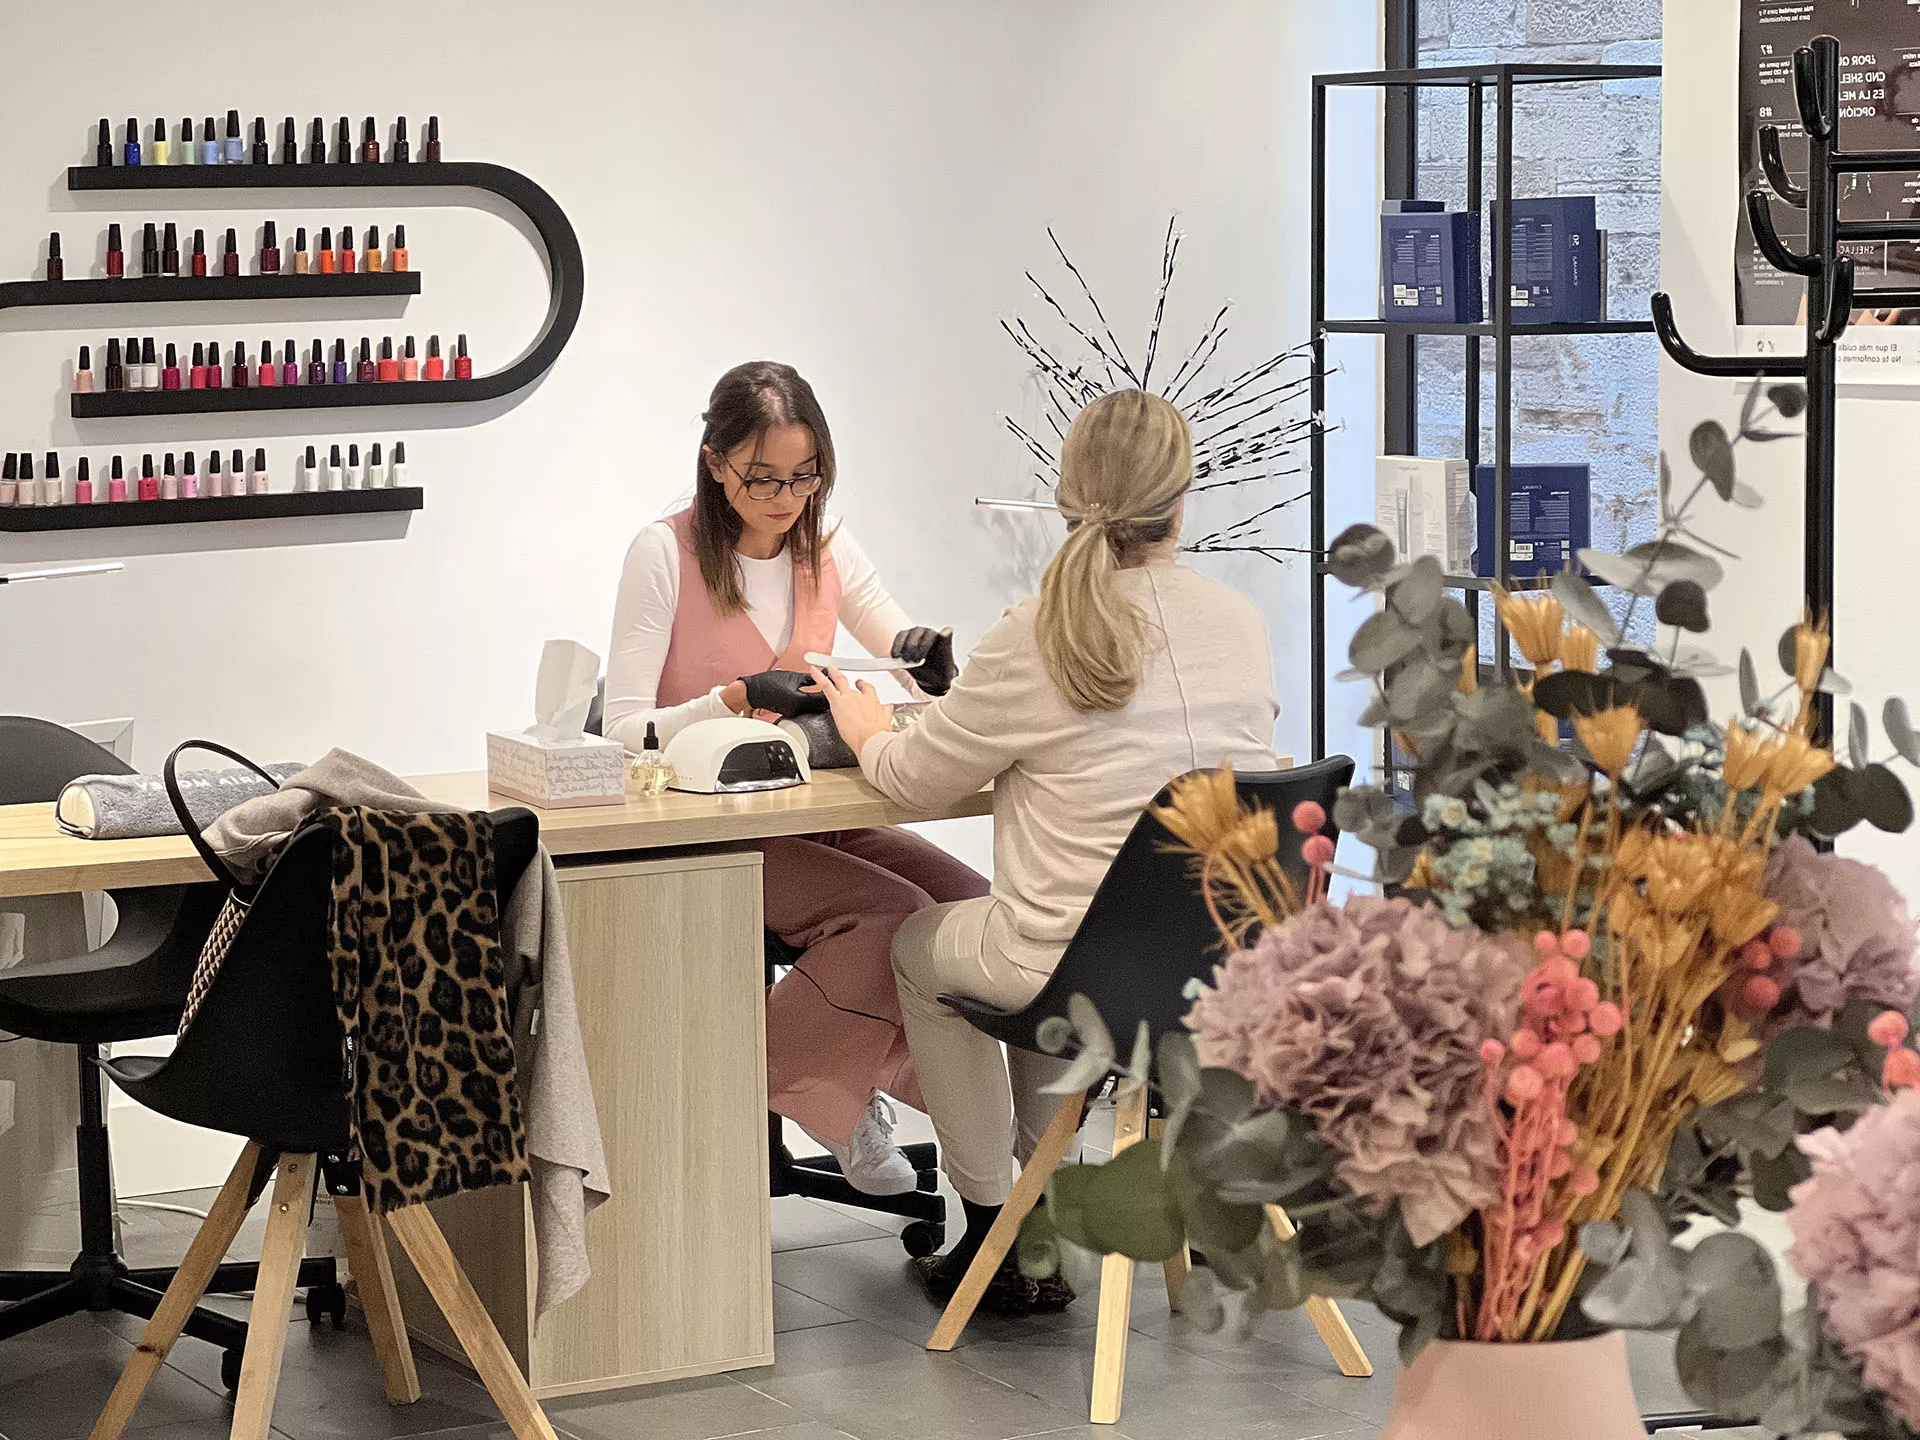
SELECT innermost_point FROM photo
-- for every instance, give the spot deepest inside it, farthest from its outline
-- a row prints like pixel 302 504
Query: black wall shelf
pixel 165 289
pixel 1520 329
pixel 287 505
pixel 101 404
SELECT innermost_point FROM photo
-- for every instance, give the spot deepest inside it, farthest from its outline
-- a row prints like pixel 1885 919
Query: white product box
pixel 556 774
pixel 1426 508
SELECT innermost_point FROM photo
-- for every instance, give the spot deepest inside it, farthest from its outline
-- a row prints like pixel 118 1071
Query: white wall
pixel 1879 509
pixel 853 187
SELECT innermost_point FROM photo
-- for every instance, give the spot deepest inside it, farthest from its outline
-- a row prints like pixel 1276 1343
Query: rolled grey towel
pixel 134 807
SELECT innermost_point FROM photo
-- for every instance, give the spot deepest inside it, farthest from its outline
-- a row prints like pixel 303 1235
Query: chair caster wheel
pixel 230 1368
pixel 923 1237
pixel 329 1301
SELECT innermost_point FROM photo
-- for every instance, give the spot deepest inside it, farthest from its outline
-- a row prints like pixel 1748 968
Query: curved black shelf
pixel 566 270
pixel 164 289
pixel 22 518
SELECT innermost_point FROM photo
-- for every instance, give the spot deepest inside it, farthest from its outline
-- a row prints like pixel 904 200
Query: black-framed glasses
pixel 765 487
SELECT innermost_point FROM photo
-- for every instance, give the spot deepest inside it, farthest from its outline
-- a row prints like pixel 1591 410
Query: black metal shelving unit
pixel 281 505
pixel 1500 82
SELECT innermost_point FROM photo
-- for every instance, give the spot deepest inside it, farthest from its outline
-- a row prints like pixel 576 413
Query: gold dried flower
pixel 1611 736
pixel 1203 810
pixel 1739 915
pixel 1255 839
pixel 1811 644
pixel 1797 763
pixel 1748 757
pixel 1580 650
pixel 1535 623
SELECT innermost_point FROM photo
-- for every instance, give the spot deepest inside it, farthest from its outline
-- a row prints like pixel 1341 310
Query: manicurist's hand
pixel 858 713
pixel 782 692
pixel 929 658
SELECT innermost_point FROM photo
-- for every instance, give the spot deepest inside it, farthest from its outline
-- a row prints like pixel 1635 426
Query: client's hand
pixel 785 693
pixel 929 656
pixel 858 713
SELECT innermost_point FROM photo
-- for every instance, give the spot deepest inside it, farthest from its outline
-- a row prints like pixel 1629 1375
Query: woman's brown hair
pixel 749 400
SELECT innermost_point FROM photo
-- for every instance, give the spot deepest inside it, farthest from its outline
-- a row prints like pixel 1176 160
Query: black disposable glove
pixel 929 657
pixel 780 692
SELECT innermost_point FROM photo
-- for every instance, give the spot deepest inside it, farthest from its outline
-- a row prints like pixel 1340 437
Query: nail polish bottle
pixel 214 378
pixel 370 144
pixel 135 381
pixel 170 375
pixel 397 256
pixel 331 469
pixel 368 372
pixel 462 362
pixel 436 367
pixel 9 479
pixel 149 366
pixel 289 143
pixel 170 251
pixel 150 252
pixel 237 474
pixel 209 144
pixel 117 483
pixel 83 484
pixel 197 372
pixel 355 477
pixel 130 152
pixel 372 258
pixel 409 363
pixel 236 150
pixel 183 152
pixel 169 481
pixel 56 267
pixel 269 250
pixel 116 376
pixel 433 138
pixel 216 484
pixel 257 481
pixel 28 492
pixel 346 249
pixel 341 375
pixel 197 260
pixel 325 253
pixel 343 153
pixel 402 151
pixel 159 153
pixel 309 477
pixel 230 262
pixel 261 151
pixel 389 367
pixel 53 484
pixel 189 480
pixel 83 372
pixel 116 257
pixel 301 260
pixel 317 367
pixel 237 377
pixel 289 366
pixel 268 375
pixel 397 472
pixel 317 142
pixel 376 469
pixel 102 153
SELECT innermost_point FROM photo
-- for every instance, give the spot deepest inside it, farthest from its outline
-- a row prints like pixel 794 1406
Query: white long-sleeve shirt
pixel 643 625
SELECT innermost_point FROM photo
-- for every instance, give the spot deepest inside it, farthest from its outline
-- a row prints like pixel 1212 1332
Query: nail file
pixel 853 662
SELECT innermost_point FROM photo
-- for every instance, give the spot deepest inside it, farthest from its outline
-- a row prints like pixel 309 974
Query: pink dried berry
pixel 1309 817
pixel 1583 1180
pixel 1756 955
pixel 1547 943
pixel 1317 851
pixel 1586 1049
pixel 1583 994
pixel 1525 1043
pixel 1525 1084
pixel 1889 1027
pixel 1902 1070
pixel 1576 945
pixel 1556 1061
pixel 1492 1051
pixel 1606 1018
pixel 1761 992
pixel 1785 942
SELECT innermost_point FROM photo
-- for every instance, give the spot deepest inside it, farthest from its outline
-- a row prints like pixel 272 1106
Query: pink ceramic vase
pixel 1571 1390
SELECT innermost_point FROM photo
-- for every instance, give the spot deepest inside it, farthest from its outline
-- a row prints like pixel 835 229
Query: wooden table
pixel 662 901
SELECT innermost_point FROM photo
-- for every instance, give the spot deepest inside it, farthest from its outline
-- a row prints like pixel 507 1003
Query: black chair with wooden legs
pixel 1146 933
pixel 133 987
pixel 263 1059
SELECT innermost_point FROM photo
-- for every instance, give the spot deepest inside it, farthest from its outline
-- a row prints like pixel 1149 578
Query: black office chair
pixel 1145 935
pixel 262 1059
pixel 132 988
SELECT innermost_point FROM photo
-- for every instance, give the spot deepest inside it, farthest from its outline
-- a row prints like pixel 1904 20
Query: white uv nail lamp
pixel 735 755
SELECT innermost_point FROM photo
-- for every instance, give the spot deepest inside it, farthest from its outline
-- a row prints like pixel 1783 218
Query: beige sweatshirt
pixel 1068 784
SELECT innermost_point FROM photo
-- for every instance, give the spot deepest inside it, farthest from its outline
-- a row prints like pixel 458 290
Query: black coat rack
pixel 1831 293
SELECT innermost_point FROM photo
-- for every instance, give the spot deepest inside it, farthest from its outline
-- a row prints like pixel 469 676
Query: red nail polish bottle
pixel 409 363
pixel 462 362
pixel 170 376
pixel 230 262
pixel 197 376
pixel 214 380
pixel 389 367
pixel 116 257
pixel 346 254
pixel 436 367
pixel 200 253
pixel 368 372
pixel 239 375
pixel 267 376
pixel 269 250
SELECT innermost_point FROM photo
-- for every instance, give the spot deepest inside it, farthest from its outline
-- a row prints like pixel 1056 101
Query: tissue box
pixel 556 774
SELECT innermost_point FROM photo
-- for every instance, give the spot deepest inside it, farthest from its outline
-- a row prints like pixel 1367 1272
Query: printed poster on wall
pixel 1879 110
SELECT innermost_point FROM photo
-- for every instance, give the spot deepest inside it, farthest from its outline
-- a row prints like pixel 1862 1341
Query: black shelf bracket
pixel 282 506
pixel 566 270
pixel 166 289
pixel 1774 163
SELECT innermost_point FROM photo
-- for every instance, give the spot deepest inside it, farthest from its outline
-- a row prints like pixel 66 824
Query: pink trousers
pixel 834 1031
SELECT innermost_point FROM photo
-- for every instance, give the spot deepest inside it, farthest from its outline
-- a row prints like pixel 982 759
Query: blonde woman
pixel 1126 670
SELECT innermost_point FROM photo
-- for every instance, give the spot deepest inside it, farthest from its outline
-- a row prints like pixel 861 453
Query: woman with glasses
pixel 718 606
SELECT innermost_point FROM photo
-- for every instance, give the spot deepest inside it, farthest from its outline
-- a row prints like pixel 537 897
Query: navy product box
pixel 1430 268
pixel 1557 262
pixel 1549 518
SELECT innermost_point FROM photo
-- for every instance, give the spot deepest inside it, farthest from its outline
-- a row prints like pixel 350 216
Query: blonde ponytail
pixel 1125 466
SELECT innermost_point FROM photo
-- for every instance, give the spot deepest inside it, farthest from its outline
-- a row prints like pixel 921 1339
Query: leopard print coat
pixel 419 986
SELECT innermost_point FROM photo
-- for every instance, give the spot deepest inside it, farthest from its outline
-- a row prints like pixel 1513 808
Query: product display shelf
pixel 167 289
pixel 1498 83
pixel 101 403
pixel 283 506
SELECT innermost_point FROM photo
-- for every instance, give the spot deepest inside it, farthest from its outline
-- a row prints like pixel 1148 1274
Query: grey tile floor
pixel 850 1364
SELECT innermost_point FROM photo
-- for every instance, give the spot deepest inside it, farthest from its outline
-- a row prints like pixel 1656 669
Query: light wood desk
pixel 662 900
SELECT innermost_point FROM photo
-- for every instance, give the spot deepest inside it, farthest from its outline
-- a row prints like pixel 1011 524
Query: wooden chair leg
pixel 1116 1282
pixel 1026 1194
pixel 365 1237
pixel 1180 1266
pixel 419 1235
pixel 1335 1333
pixel 209 1248
pixel 269 1319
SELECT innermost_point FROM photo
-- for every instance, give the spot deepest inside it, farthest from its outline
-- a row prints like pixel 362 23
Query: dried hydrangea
pixel 1487 865
pixel 1856 937
pixel 1857 1242
pixel 1369 1019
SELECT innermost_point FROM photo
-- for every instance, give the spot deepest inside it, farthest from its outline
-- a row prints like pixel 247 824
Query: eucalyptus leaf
pixel 1683 604
pixel 1360 556
pixel 1179 1067
pixel 1773 1178
pixel 1578 599
pixel 1857 737
pixel 1604 1242
pixel 1899 728
pixel 1736 1291
pixel 1758 1122
pixel 1416 596
pixel 1039 1245
pixel 1803 1054
pixel 1088 1069
pixel 1124 1207
pixel 1834 1095
pixel 1088 1025
pixel 1696 662
pixel 1713 453
pixel 1738 1384
pixel 1200 1301
pixel 1642 1292
pixel 1383 640
pixel 1649 568
pixel 1140 1065
pixel 1227 1095
pixel 1574 692
pixel 1749 684
pixel 1054 1034
pixel 1789 650
pixel 1832 682
pixel 1838 802
pixel 1789 400
pixel 1080 1267
pixel 1417 691
pixel 1885 802
pixel 1746 497
pixel 1450 629
pixel 1496 716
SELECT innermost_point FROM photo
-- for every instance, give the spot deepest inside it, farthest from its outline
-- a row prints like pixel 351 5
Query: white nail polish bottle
pixel 354 480
pixel 330 468
pixel 397 472
pixel 257 482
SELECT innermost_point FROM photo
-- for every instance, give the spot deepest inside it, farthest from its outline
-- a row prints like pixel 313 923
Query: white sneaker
pixel 872 1163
